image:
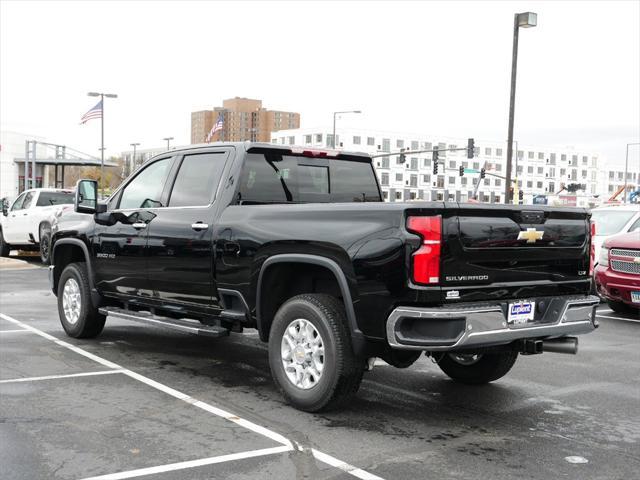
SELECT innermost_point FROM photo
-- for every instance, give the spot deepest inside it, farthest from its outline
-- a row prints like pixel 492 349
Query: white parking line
pixel 19 330
pixel 190 464
pixel 334 462
pixel 619 318
pixel 54 377
pixel 287 445
pixel 604 310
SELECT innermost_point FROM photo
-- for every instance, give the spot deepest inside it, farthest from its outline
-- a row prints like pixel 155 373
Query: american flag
pixel 95 112
pixel 216 127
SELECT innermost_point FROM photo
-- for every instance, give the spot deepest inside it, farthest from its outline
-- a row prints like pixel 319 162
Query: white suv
pixel 26 223
pixel 613 220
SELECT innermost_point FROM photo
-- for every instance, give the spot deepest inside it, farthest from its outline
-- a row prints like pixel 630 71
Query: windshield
pixel 609 222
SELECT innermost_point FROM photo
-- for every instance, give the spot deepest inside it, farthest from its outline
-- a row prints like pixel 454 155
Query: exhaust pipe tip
pixel 567 345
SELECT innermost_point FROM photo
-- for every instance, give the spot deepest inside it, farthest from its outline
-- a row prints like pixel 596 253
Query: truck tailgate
pixel 514 251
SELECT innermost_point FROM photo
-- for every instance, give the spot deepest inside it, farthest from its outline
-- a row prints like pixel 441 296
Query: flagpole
pixel 102 97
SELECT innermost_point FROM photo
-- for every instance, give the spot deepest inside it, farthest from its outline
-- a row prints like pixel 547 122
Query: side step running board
pixel 184 325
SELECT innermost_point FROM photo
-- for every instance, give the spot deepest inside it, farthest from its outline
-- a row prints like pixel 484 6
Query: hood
pixel 626 240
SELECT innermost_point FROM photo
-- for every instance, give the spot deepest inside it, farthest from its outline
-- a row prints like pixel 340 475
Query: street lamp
pixel 168 140
pixel 626 167
pixel 333 141
pixel 520 20
pixel 102 97
pixel 133 160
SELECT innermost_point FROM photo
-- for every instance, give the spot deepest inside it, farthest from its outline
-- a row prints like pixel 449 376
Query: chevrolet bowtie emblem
pixel 531 235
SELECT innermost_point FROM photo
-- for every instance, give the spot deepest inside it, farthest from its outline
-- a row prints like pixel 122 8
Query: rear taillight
pixel 592 250
pixel 426 260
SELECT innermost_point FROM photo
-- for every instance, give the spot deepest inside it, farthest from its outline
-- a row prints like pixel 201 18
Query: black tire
pixel 342 373
pixel 5 248
pixel 487 368
pixel 45 244
pixel 89 321
pixel 619 307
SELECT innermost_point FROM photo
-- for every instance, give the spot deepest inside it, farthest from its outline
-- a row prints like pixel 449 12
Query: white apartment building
pixel 540 170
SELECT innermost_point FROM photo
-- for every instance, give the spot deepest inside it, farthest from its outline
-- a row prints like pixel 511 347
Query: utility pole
pixel 168 140
pixel 626 168
pixel 524 20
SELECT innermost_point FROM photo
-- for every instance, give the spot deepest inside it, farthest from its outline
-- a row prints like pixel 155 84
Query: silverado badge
pixel 531 235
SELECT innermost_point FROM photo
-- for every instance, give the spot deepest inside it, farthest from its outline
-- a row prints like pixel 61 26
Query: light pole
pixel 102 97
pixel 133 160
pixel 333 141
pixel 524 20
pixel 168 140
pixel 626 167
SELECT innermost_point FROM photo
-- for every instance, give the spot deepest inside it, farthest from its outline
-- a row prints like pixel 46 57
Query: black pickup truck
pixel 299 245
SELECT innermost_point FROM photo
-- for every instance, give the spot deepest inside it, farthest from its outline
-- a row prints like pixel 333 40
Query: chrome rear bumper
pixel 479 325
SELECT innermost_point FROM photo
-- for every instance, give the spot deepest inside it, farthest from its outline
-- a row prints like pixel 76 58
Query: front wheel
pixel 5 248
pixel 45 244
pixel 78 316
pixel 310 353
pixel 478 368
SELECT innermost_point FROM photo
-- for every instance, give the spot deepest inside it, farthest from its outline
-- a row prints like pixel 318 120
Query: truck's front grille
pixel 619 252
pixel 625 267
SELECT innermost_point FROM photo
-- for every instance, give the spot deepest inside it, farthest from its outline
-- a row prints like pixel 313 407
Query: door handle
pixel 139 225
pixel 199 226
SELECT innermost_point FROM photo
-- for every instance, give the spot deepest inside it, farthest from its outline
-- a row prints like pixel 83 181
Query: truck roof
pixel 253 146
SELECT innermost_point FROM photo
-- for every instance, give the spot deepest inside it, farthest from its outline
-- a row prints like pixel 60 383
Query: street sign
pixel 471 170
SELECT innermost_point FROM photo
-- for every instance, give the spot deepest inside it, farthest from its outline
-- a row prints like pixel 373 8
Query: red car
pixel 618 272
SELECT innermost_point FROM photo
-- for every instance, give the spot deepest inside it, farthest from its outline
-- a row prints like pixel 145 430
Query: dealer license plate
pixel 635 297
pixel 521 313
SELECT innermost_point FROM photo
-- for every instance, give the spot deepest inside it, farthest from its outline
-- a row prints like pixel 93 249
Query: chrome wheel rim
pixel 465 359
pixel 44 246
pixel 302 352
pixel 71 301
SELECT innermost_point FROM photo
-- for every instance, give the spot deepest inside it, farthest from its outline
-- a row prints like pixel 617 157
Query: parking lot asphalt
pixel 142 402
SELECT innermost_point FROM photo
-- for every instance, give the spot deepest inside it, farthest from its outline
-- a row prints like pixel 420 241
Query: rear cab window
pixel 274 177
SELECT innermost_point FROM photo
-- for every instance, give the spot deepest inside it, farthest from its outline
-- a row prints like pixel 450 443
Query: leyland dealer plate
pixel 521 313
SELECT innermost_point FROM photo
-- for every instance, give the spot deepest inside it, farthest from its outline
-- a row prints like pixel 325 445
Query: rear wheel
pixel 5 248
pixel 477 368
pixel 310 353
pixel 45 244
pixel 78 316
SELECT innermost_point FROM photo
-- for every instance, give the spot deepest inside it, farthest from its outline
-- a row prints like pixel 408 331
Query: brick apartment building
pixel 243 119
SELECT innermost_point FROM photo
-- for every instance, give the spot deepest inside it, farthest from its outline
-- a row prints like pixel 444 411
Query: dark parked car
pixel 618 272
pixel 299 244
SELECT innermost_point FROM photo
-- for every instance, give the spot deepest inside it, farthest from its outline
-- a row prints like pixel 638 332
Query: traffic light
pixel 403 157
pixel 435 154
pixel 471 146
pixel 482 172
pixel 435 167
pixel 520 195
pixel 461 170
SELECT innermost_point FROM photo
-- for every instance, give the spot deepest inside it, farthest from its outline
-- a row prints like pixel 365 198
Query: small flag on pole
pixel 216 127
pixel 95 112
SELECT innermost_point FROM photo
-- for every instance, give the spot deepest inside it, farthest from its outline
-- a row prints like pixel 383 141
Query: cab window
pixel 17 205
pixel 28 200
pixel 197 179
pixel 145 190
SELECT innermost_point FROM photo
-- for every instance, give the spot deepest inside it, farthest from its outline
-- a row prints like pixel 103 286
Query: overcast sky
pixel 434 68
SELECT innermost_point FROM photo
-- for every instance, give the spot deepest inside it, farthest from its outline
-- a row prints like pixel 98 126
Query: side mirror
pixel 5 207
pixel 86 197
